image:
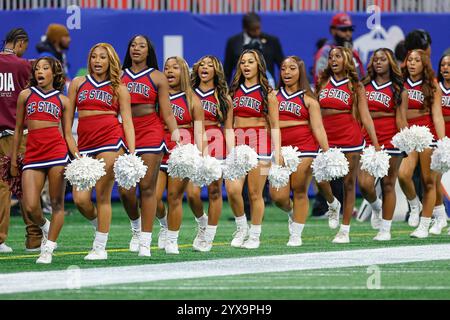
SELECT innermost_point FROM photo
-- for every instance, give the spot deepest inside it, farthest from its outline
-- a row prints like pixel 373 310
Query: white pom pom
pixel 375 162
pixel 183 161
pixel 83 173
pixel 278 176
pixel 291 157
pixel 329 165
pixel 414 138
pixel 239 162
pixel 440 159
pixel 210 170
pixel 129 169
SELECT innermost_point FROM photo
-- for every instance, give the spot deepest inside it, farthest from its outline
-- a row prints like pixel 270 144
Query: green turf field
pixel 423 280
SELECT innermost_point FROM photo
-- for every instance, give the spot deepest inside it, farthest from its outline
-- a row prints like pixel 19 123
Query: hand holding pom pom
pixel 210 170
pixel 291 157
pixel 239 162
pixel 278 176
pixel 83 173
pixel 376 163
pixel 330 165
pixel 129 169
pixel 440 159
pixel 414 138
pixel 183 161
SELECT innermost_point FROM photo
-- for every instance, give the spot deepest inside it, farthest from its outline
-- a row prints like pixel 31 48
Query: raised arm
pixel 316 123
pixel 127 119
pixel 18 131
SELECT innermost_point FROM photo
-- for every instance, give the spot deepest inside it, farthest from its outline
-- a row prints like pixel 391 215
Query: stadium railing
pixel 237 6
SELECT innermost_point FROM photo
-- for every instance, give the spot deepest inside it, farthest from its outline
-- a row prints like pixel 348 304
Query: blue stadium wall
pixel 207 34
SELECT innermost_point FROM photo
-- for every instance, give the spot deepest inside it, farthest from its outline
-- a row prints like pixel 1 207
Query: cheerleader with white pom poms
pixel 388 102
pixel 188 113
pixel 99 97
pixel 301 128
pixel 141 71
pixel 424 109
pixel 343 104
pixel 255 122
pixel 46 151
pixel 208 81
pixel 444 85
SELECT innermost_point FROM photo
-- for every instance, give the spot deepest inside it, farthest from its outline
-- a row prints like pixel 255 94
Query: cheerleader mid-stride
pixel 147 87
pixel 42 106
pixel 388 102
pixel 100 97
pixel 301 127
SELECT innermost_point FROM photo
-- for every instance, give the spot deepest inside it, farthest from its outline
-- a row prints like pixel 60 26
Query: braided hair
pixel 15 35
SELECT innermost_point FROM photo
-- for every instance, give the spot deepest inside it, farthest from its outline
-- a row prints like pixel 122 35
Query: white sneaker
pixel 375 219
pixel 203 246
pixel 239 236
pixel 382 236
pixel 294 241
pixel 438 224
pixel 144 251
pixel 97 254
pixel 45 257
pixel 333 216
pixel 200 237
pixel 5 249
pixel 342 237
pixel 421 232
pixel 171 247
pixel 134 242
pixel 162 237
pixel 414 215
pixel 251 243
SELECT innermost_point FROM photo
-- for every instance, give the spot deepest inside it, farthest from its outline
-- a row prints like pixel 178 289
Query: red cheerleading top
pixel 43 106
pixel 96 96
pixel 445 100
pixel 336 95
pixel 248 102
pixel 140 86
pixel 380 97
pixel 180 108
pixel 415 94
pixel 292 107
pixel 209 103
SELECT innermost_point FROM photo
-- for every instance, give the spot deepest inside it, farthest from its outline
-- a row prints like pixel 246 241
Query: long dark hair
pixel 262 76
pixel 303 82
pixel 395 74
pixel 440 77
pixel 151 61
pixel 59 79
pixel 428 85
pixel 220 84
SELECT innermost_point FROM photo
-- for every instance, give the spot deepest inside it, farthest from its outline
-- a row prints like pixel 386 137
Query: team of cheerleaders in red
pixel 160 109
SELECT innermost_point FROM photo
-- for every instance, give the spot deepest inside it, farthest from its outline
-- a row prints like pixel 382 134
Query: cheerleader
pixel 208 81
pixel 343 103
pixel 188 113
pixel 388 102
pixel 440 221
pixel 147 87
pixel 254 117
pixel 46 155
pixel 301 127
pixel 424 109
pixel 99 97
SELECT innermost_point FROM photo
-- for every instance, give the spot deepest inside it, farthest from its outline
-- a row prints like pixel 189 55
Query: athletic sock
pixel 100 240
pixel 333 204
pixel 145 238
pixel 377 205
pixel 50 245
pixel 255 230
pixel 202 221
pixel 241 221
pixel 414 202
pixel 386 225
pixel 172 236
pixel 297 228
pixel 210 233
pixel 45 227
pixel 136 224
pixel 345 228
pixel 163 222
pixel 94 223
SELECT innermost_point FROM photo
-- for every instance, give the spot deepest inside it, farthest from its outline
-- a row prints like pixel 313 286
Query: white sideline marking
pixel 91 277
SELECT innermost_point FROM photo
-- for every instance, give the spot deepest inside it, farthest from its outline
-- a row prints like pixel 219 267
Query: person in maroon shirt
pixel 14 75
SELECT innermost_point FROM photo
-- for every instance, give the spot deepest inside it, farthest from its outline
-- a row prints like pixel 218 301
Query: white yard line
pixel 91 277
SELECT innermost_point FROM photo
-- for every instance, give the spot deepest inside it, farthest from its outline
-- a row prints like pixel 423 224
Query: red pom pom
pixel 14 183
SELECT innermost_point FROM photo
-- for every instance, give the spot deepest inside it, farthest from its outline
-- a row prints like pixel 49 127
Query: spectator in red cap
pixel 341 28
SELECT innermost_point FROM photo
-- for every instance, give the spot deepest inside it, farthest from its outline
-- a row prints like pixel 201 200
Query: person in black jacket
pixel 252 38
